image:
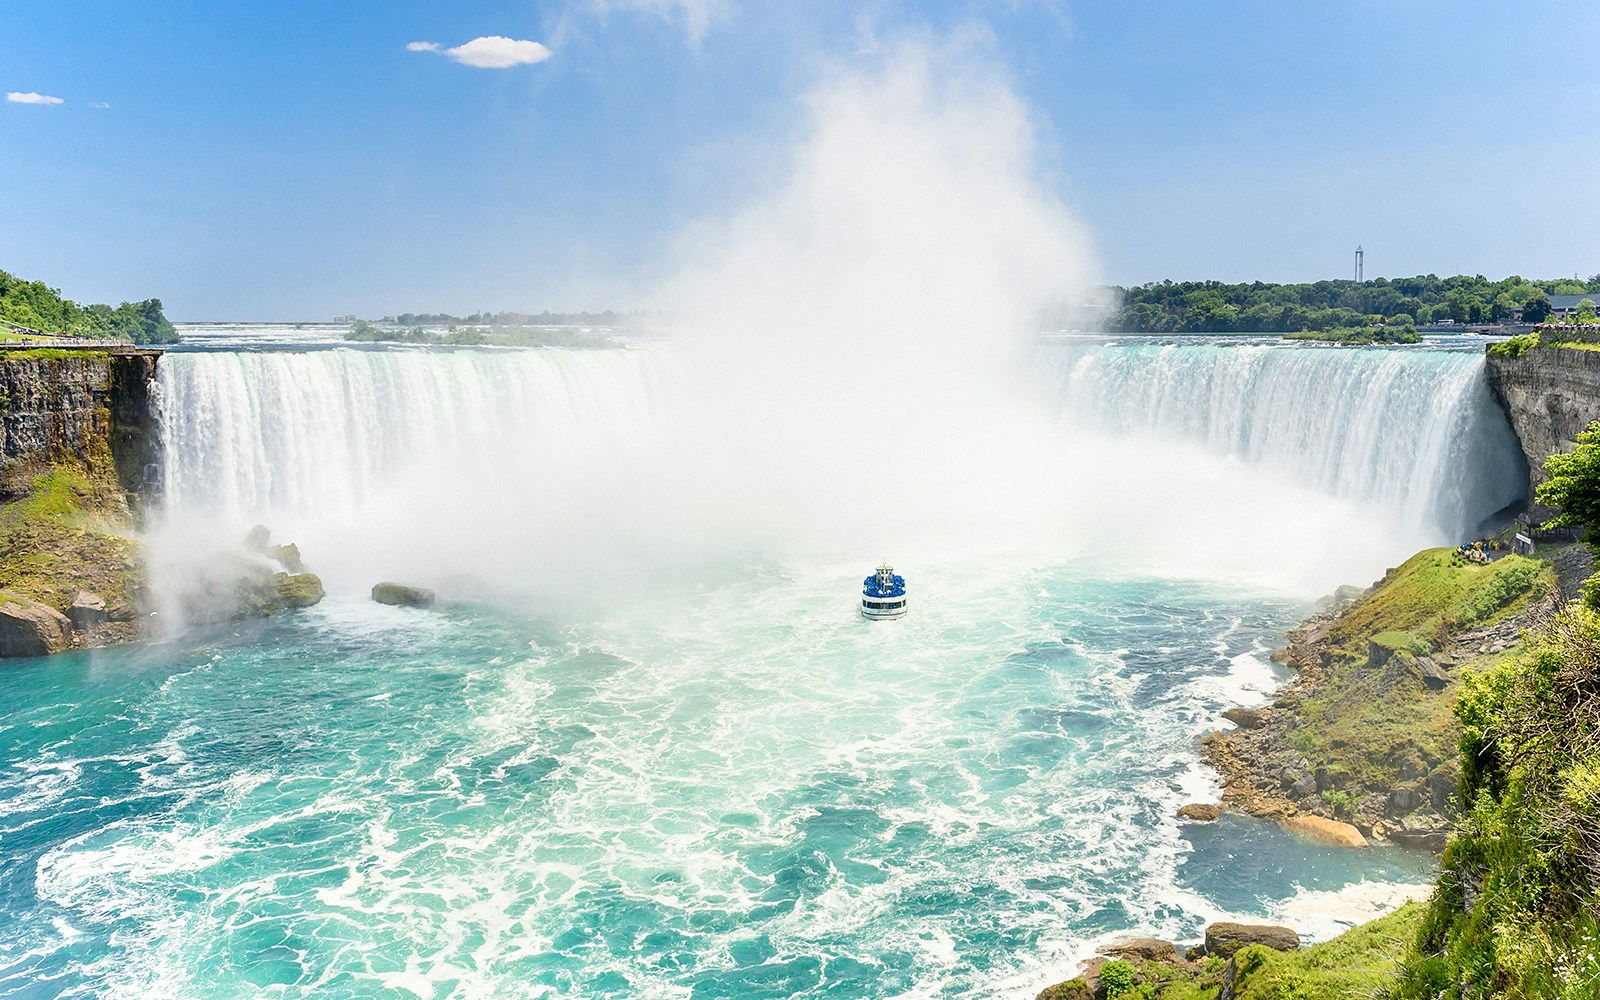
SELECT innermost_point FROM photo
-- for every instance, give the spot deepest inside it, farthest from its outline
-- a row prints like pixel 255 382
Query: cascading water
pixel 1412 431
pixel 421 463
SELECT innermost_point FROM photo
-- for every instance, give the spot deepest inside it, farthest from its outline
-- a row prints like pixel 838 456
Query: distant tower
pixel 1361 264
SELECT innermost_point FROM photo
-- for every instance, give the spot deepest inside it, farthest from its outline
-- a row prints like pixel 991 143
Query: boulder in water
pixel 401 595
pixel 258 538
pixel 300 590
pixel 1200 812
pixel 28 628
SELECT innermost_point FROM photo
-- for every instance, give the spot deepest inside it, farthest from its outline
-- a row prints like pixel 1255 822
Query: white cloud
pixel 102 105
pixel 17 97
pixel 489 52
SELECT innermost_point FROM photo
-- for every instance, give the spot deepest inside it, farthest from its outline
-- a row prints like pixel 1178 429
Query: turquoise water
pixel 735 790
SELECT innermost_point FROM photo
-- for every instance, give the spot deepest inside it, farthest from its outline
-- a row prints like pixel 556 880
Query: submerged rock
pixel 1200 812
pixel 401 595
pixel 28 628
pixel 1223 939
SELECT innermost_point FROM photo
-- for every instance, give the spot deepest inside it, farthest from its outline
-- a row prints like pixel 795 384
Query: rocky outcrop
pixel 1223 939
pixel 1550 394
pixel 1200 812
pixel 401 595
pixel 28 628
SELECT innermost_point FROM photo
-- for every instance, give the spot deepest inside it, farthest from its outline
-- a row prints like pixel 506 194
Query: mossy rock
pixel 1072 989
pixel 300 590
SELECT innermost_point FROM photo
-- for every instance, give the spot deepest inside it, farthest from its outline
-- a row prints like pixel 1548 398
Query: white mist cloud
pixel 100 105
pixel 696 16
pixel 489 52
pixel 29 97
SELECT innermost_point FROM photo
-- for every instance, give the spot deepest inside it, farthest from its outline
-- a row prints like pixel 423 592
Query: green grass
pixel 1437 591
pixel 1368 724
pixel 1353 965
pixel 57 540
pixel 48 354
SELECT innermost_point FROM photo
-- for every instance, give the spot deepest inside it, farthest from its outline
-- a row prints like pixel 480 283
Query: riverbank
pixel 1361 745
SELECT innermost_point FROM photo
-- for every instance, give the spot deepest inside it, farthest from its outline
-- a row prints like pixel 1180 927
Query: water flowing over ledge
pixel 1414 431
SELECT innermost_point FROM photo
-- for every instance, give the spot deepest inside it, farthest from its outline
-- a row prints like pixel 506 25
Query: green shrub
pixel 1514 347
pixel 1116 977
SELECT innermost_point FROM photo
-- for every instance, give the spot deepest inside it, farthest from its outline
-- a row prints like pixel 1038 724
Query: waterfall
pixel 409 463
pixel 1415 432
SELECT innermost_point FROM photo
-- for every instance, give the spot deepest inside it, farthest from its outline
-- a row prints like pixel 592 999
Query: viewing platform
pixel 35 343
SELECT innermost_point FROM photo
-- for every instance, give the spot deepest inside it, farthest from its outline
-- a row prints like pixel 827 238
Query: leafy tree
pixel 1536 309
pixel 1572 485
pixel 1584 315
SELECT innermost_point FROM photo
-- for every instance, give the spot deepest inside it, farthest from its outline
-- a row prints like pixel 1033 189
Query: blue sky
pixel 295 160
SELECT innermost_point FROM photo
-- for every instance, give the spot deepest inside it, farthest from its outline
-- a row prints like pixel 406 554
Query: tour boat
pixel 883 595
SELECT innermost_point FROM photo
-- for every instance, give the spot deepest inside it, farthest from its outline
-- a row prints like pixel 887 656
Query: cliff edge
pixel 77 429
pixel 1550 394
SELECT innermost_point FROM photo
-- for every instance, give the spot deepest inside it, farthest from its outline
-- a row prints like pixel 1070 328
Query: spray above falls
pixel 853 374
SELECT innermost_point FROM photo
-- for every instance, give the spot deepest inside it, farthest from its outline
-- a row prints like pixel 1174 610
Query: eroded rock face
pixel 1550 394
pixel 401 595
pixel 56 407
pixel 28 628
pixel 1223 939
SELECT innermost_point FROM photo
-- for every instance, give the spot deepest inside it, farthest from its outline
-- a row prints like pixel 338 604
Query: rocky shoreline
pixel 1266 774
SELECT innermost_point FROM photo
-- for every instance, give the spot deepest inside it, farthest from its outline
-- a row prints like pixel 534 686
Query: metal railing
pixel 69 343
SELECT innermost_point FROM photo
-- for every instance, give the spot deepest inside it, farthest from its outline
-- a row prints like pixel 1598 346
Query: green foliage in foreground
pixel 1371 334
pixel 533 336
pixel 1513 911
pixel 1572 484
pixel 34 305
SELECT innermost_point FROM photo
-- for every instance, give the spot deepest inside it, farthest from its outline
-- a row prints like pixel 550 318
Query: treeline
pixel 516 319
pixel 35 305
pixel 1260 307
pixel 523 336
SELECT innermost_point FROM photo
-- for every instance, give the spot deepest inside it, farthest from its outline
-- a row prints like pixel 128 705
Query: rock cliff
pixel 69 406
pixel 77 429
pixel 1550 394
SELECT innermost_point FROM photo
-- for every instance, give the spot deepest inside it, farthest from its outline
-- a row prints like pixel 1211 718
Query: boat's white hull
pixel 892 607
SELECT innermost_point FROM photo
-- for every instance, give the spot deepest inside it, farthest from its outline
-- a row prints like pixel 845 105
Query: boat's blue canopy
pixel 870 588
